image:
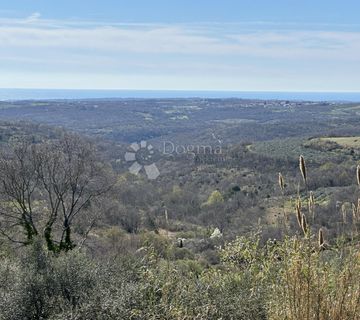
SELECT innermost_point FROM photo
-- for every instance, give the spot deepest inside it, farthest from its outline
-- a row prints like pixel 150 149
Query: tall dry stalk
pixel 281 182
pixel 344 213
pixel 298 212
pixel 355 216
pixel 166 217
pixel 166 221
pixel 312 199
pixel 312 205
pixel 354 212
pixel 321 241
pixel 302 167
pixel 304 225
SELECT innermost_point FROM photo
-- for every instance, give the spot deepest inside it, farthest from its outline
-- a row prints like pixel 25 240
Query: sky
pixel 230 45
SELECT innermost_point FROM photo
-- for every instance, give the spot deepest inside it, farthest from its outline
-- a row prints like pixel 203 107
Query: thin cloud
pixel 274 55
pixel 181 40
pixel 33 17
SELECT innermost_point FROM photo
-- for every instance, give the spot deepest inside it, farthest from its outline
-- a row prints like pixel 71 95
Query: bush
pixel 289 279
pixel 69 286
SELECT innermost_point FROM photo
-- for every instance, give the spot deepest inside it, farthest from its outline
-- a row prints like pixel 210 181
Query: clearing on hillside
pixel 347 142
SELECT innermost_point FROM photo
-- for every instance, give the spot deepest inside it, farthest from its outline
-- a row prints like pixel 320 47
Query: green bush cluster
pixel 291 279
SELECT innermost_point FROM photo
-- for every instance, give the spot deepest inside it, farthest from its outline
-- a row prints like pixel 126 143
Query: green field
pixel 347 142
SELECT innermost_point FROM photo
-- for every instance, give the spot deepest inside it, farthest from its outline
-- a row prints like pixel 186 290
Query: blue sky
pixel 181 45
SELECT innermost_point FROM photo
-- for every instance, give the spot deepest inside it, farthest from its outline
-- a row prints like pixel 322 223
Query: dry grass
pixel 312 288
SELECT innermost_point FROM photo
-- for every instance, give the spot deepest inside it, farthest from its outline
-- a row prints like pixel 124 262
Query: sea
pixel 59 94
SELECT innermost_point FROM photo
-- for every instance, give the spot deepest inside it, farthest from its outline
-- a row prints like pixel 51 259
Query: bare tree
pixel 45 187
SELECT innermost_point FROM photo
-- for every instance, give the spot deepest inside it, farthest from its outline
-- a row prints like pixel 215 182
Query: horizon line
pixel 53 94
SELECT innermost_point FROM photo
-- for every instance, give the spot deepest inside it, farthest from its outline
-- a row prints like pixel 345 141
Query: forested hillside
pixel 179 209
